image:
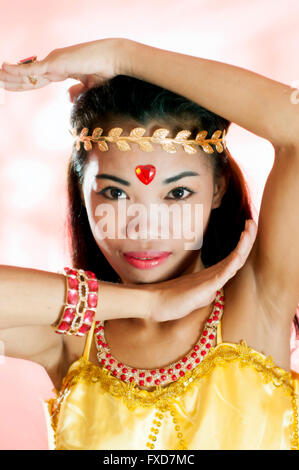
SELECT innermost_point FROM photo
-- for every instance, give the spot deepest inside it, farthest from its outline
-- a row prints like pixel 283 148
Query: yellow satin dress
pixel 235 398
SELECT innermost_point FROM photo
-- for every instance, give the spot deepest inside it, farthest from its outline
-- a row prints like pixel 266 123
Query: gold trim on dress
pixel 162 397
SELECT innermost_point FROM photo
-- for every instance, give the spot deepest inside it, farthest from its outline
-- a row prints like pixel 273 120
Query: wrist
pixel 123 301
pixel 127 49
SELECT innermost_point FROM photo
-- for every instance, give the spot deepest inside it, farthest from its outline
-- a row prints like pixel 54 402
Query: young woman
pixel 226 388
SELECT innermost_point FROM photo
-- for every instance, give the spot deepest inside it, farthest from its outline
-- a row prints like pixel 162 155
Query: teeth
pixel 143 258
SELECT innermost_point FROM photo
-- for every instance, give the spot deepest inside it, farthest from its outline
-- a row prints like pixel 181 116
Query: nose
pixel 151 222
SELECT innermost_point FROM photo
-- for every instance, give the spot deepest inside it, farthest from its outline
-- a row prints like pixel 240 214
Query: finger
pixel 8 77
pixel 247 238
pixel 41 82
pixel 75 90
pixel 227 268
pixel 241 250
pixel 87 80
pixel 252 227
pixel 35 68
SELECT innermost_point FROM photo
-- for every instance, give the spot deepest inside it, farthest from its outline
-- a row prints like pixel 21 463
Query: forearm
pixel 35 297
pixel 30 296
pixel 259 104
pixel 123 301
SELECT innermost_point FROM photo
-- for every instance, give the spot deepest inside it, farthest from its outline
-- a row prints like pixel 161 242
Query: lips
pixel 155 258
pixel 147 254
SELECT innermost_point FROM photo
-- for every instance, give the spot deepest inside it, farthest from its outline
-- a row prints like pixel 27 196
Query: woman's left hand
pixel 91 63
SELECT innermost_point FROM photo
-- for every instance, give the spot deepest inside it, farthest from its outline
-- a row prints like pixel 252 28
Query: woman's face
pixel 131 222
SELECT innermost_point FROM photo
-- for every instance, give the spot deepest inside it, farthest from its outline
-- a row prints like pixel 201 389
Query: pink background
pixel 260 35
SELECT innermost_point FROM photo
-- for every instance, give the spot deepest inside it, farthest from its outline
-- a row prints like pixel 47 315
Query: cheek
pixel 103 220
pixel 111 225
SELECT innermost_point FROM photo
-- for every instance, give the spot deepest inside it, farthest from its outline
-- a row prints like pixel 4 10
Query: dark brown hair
pixel 128 98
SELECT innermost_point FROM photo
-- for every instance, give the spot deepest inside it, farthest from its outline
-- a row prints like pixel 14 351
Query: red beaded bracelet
pixel 80 303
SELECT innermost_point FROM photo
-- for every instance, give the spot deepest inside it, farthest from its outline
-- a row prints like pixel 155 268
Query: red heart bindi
pixel 145 173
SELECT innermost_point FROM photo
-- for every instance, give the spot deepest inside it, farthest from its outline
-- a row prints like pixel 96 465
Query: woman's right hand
pixel 181 296
pixel 92 63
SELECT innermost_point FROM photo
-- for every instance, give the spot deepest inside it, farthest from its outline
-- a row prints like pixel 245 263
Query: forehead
pixel 124 161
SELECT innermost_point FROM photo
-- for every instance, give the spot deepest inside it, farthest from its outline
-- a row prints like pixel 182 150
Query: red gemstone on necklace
pixel 157 382
pixel 178 366
pixel 203 353
pixel 170 371
pixel 197 360
pixel 125 370
pixel 163 377
pixel 194 354
pixel 173 377
pixel 203 340
pixel 189 366
pixel 142 374
pixel 123 377
pixel 141 382
pixel 161 370
pixel 211 336
pixel 196 347
pixel 149 379
pixel 108 355
pixel 131 379
pixel 182 373
pixel 134 370
pixel 205 332
pixel 185 359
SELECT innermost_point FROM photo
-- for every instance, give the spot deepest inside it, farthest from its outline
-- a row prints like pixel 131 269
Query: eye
pixel 113 190
pixel 180 190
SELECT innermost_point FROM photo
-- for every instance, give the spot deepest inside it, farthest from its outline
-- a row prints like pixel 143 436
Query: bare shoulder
pixel 250 316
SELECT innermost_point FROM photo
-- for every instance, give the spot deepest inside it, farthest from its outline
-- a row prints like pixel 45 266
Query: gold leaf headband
pixel 159 137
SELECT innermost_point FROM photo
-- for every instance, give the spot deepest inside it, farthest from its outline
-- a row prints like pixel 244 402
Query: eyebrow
pixel 171 179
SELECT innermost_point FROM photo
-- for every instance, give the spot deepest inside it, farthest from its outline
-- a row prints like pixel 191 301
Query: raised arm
pixel 265 108
pixel 30 297
pixel 257 103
